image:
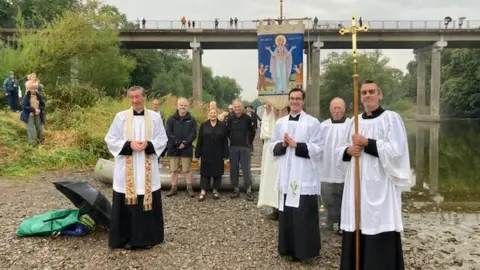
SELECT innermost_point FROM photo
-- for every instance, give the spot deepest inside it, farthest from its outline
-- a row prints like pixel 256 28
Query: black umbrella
pixel 84 196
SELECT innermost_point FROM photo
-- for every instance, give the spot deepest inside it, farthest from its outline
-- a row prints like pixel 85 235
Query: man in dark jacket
pixel 239 126
pixel 10 90
pixel 181 131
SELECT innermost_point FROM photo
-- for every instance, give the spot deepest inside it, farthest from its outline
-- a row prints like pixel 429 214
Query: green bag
pixel 49 223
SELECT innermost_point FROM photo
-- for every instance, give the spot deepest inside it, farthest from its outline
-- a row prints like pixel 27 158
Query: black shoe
pixel 128 247
pixel 235 194
pixel 273 215
pixel 249 196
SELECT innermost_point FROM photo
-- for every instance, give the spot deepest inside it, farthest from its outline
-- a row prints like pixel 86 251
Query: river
pixel 446 164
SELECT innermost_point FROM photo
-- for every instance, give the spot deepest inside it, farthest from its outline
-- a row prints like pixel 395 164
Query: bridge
pixel 421 36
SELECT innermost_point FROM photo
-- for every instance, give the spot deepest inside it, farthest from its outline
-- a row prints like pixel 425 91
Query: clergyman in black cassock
pixel 297 145
pixel 384 169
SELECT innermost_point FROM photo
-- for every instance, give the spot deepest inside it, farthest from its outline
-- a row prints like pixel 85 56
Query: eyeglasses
pixel 370 91
pixel 295 98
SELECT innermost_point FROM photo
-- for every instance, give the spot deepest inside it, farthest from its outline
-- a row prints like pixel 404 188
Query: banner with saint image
pixel 280 61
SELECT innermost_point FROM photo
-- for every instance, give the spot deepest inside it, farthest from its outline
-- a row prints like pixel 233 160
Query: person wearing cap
pixel 10 90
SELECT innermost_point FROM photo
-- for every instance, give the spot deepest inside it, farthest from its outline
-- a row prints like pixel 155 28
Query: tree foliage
pixel 78 46
pixel 460 82
pixel 336 80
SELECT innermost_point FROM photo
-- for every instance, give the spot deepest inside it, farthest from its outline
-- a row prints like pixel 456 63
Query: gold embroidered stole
pixel 130 192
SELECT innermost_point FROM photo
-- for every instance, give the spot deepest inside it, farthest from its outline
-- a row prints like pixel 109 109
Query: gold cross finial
pixel 354 29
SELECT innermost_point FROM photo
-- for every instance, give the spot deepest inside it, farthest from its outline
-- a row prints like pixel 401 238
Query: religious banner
pixel 280 61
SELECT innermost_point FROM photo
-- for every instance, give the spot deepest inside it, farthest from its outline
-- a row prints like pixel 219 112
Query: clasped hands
pixel 358 144
pixel 138 146
pixel 289 141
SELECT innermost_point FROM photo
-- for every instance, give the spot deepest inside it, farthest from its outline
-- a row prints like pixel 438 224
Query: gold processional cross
pixel 353 30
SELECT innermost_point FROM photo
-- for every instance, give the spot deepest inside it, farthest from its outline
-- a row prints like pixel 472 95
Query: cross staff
pixel 353 30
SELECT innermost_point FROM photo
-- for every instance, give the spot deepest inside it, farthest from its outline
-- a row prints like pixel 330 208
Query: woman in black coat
pixel 212 149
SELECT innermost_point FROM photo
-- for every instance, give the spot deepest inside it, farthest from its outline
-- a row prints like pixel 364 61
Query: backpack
pixel 51 223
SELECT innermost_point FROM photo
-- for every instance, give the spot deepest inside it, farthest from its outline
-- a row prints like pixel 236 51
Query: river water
pixel 446 166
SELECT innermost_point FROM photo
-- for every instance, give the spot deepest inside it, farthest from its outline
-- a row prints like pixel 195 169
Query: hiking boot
pixel 235 194
pixel 172 192
pixel 190 192
pixel 249 196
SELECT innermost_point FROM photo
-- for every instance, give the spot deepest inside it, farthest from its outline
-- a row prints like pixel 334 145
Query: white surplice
pixel 116 139
pixel 381 178
pixel 268 193
pixel 334 137
pixel 297 175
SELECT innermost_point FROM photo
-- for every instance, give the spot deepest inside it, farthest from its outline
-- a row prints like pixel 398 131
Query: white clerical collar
pixel 295 115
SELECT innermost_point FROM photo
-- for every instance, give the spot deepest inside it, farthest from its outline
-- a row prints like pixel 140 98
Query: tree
pixel 459 94
pixel 460 91
pixel 83 40
pixel 79 40
pixel 336 80
pixel 7 14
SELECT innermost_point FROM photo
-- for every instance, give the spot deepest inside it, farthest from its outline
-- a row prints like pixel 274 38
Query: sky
pixel 242 64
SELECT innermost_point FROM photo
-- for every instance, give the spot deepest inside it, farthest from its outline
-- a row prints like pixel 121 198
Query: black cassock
pixel 131 227
pixel 298 228
pixel 381 251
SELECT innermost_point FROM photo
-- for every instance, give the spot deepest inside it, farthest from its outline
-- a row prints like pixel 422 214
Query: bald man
pixel 181 132
pixel 331 178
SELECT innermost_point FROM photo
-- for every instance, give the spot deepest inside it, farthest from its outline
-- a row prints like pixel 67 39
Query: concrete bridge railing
pixel 332 24
pixel 401 25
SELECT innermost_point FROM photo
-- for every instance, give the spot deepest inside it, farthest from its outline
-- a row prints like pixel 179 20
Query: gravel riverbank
pixel 224 234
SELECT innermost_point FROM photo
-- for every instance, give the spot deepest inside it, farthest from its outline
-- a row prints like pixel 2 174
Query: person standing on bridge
pixel 235 21
pixel 385 168
pixel 184 22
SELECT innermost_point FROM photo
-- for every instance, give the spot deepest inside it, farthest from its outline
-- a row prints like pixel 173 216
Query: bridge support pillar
pixel 197 73
pixel 434 114
pixel 313 79
pixel 421 83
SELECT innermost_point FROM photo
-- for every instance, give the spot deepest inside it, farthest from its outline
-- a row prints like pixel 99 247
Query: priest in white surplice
pixel 268 193
pixel 384 169
pixel 297 145
pixel 331 177
pixel 136 138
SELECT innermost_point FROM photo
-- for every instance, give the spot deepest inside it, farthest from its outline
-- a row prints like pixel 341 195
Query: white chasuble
pixel 298 175
pixel 268 193
pixel 116 139
pixel 381 178
pixel 334 137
